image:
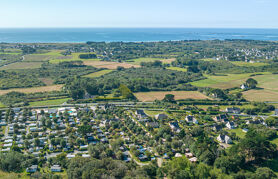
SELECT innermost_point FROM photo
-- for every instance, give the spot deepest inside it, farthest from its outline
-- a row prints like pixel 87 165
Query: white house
pixel 224 139
pixel 230 125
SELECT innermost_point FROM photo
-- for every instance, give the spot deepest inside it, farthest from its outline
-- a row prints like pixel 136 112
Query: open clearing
pixel 224 81
pixel 159 95
pixel 139 60
pixel 98 74
pixel 108 65
pixel 269 89
pixel 22 65
pixel 248 64
pixel 33 90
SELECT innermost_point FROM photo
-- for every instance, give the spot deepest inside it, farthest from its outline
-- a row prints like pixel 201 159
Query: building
pixel 191 119
pixel 276 112
pixel 32 169
pixel 234 110
pixel 221 118
pixel 161 116
pixel 230 125
pixel 56 168
pixel 174 126
pixel 244 87
pixel 140 113
pixel 224 139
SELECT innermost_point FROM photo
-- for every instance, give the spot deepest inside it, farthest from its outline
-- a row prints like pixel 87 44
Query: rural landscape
pixel 183 109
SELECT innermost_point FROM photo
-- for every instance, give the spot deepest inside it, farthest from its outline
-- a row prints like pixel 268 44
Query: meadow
pixel 159 95
pixel 49 102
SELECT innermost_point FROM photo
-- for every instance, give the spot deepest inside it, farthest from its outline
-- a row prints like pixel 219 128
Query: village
pixel 130 133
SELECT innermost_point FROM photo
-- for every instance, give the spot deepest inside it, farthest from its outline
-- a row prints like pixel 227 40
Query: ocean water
pixel 62 35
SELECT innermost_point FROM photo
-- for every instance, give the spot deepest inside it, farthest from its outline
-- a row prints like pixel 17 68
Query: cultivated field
pixel 22 65
pixel 159 95
pixel 36 58
pixel 223 81
pixel 255 64
pixel 33 90
pixel 98 74
pixel 269 89
pixel 139 60
pixel 108 65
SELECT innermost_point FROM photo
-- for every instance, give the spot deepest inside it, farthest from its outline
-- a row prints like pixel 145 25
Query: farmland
pixel 139 60
pixel 268 91
pixel 34 90
pixel 22 65
pixel 159 95
pixel 108 65
pixel 248 64
pixel 98 74
pixel 223 81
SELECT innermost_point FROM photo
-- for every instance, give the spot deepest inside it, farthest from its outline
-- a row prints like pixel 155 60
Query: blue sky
pixel 139 13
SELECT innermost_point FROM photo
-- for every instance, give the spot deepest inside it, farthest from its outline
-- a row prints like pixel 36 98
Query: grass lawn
pixel 152 113
pixel 223 81
pixel 159 95
pixel 98 74
pixel 177 69
pixel 139 60
pixel 49 102
pixel 238 132
pixel 247 64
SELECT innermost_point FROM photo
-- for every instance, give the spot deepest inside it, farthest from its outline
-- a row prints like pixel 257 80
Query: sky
pixel 139 13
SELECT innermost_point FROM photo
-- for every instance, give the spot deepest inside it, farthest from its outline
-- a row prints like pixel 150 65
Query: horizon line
pixel 274 28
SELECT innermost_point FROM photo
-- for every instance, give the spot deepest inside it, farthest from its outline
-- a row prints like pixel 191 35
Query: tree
pixel 251 83
pixel 169 98
pixel 84 129
pixel 126 92
pixel 265 173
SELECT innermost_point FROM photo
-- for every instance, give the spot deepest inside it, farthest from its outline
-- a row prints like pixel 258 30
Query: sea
pixel 77 35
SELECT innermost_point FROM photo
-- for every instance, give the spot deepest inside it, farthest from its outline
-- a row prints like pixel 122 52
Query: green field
pixel 49 102
pixel 98 74
pixel 72 57
pixel 139 60
pixel 177 69
pixel 268 91
pixel 248 64
pixel 37 58
pixel 22 65
pixel 223 81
